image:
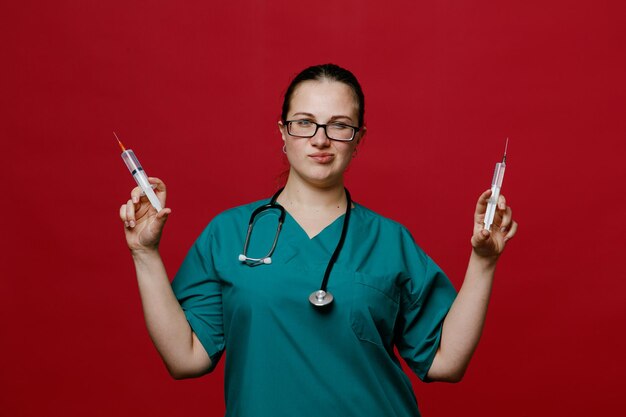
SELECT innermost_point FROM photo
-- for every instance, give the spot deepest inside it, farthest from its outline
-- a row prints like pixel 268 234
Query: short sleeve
pixel 427 295
pixel 198 290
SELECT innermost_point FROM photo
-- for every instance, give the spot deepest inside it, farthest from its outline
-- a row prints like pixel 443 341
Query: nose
pixel 320 139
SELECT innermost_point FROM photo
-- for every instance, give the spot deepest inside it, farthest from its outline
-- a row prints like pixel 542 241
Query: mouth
pixel 322 157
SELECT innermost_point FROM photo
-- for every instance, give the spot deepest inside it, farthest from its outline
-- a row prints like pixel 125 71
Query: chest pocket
pixel 375 306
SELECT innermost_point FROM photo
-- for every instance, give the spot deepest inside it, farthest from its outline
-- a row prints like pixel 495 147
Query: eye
pixel 302 123
pixel 338 126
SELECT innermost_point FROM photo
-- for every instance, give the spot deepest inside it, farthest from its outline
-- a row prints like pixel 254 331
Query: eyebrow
pixel 312 116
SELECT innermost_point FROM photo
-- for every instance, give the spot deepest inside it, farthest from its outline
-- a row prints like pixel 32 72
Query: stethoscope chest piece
pixel 321 298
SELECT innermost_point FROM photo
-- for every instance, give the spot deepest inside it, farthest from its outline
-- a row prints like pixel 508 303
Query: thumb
pixel 480 238
pixel 162 217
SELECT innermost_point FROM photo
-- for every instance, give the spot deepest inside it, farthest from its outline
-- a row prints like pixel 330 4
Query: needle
pixel 120 142
pixel 506 146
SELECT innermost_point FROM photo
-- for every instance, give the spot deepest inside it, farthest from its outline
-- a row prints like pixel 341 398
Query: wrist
pixel 485 262
pixel 145 253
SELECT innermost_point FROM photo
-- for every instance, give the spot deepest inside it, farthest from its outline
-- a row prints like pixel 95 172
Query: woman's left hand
pixel 490 244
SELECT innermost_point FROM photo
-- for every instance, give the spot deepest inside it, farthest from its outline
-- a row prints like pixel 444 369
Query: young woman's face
pixel 319 160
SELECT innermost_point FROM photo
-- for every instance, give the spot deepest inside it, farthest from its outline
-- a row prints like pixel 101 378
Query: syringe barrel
pixel 498 175
pixel 140 176
pixel 496 185
pixel 131 161
pixel 491 207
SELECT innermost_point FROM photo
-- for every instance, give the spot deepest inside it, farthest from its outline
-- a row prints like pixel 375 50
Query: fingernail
pixel 503 229
pixel 126 223
pixel 132 223
pixel 135 199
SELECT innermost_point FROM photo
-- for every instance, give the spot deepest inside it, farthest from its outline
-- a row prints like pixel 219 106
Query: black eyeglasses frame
pixel 355 129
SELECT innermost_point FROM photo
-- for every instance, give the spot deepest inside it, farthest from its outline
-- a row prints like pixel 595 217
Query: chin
pixel 325 182
pixel 319 176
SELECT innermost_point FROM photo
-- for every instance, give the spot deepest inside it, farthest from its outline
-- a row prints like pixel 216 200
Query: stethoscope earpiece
pixel 252 261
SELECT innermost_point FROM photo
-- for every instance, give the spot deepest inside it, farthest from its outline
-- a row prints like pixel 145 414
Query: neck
pixel 298 193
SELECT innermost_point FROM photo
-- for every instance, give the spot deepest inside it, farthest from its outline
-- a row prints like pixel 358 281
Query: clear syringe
pixel 496 185
pixel 139 175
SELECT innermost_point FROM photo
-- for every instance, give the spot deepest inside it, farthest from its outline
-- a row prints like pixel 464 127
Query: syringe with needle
pixel 496 185
pixel 139 175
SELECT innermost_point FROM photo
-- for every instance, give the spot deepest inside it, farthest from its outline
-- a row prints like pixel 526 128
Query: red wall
pixel 195 89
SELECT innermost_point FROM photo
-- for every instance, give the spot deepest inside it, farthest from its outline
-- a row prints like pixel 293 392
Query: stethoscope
pixel 321 297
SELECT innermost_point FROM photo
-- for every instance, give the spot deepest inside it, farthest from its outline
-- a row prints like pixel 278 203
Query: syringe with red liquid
pixel 139 175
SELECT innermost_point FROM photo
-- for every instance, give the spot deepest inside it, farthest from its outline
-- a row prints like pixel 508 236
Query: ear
pixel 361 135
pixel 283 130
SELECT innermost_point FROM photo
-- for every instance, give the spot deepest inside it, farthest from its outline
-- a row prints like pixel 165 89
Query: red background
pixel 195 89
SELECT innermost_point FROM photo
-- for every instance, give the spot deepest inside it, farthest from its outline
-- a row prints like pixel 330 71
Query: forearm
pixel 463 325
pixel 165 319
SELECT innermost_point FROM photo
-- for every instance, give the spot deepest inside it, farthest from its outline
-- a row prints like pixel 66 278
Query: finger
pixel 483 200
pixel 501 202
pixel 512 232
pixel 162 217
pixel 160 185
pixel 163 214
pixel 130 213
pixel 123 214
pixel 159 189
pixel 136 194
pixel 507 218
pixel 500 213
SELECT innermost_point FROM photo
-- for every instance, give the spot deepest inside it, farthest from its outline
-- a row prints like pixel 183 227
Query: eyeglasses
pixel 334 131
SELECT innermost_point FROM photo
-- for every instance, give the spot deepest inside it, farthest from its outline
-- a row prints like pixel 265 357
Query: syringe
pixel 496 185
pixel 139 175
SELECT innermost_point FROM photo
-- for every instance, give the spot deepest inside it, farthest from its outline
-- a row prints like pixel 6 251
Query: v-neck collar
pixel 320 234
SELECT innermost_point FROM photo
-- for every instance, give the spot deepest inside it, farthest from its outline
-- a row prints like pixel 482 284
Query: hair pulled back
pixel 330 72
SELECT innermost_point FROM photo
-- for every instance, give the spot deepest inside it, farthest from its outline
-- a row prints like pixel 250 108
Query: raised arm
pixel 182 352
pixel 463 325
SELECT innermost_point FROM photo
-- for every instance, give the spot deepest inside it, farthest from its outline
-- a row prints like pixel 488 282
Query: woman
pixel 286 356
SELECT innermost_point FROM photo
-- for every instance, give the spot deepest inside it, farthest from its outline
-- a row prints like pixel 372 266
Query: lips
pixel 322 157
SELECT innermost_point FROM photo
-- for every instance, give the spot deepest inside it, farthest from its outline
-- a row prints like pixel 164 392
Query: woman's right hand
pixel 142 224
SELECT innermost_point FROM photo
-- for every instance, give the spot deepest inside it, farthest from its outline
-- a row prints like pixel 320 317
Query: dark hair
pixel 329 72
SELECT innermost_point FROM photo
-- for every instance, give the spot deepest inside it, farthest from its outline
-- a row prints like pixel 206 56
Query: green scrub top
pixel 287 358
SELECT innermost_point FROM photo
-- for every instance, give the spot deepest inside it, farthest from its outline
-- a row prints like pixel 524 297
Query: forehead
pixel 324 98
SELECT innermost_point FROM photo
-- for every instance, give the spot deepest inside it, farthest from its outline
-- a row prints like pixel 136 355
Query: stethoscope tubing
pixel 318 298
pixel 281 219
pixel 342 238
